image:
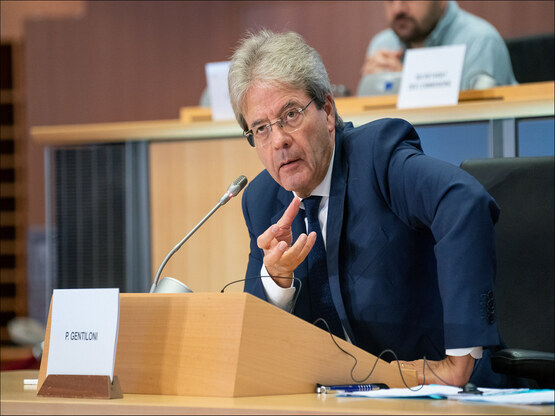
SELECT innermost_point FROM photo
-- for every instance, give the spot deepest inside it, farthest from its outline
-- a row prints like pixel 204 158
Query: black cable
pixel 294 301
pixel 424 364
pixel 360 381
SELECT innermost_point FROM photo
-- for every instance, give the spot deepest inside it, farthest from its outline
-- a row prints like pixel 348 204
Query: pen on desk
pixel 320 388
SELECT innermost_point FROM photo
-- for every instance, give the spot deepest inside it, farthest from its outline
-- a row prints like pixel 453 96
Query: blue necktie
pixel 321 303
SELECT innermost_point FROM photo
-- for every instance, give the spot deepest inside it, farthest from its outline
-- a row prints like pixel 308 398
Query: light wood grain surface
pixel 18 400
pixel 229 345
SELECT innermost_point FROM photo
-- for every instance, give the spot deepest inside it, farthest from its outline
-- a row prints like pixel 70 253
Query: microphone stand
pixel 178 246
pixel 233 190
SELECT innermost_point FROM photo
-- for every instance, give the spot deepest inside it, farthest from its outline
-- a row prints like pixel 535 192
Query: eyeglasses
pixel 290 121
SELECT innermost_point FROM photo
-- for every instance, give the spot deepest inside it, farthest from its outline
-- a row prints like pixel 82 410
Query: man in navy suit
pixel 409 240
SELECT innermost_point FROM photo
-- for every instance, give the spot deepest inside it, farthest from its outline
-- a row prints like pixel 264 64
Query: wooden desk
pixel 16 399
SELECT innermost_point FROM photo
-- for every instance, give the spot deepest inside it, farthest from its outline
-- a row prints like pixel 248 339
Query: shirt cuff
pixel 475 352
pixel 276 295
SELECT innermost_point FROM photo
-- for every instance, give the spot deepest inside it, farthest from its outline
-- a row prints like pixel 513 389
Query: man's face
pixel 413 21
pixel 298 161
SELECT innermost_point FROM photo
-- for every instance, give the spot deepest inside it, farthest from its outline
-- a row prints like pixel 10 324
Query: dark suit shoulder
pixel 378 141
pixel 262 186
pixel 384 133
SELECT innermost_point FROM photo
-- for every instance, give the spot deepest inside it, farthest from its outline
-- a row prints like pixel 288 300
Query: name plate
pixel 83 332
pixel 431 76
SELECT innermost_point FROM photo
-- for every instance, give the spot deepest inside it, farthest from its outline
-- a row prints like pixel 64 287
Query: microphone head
pixel 236 186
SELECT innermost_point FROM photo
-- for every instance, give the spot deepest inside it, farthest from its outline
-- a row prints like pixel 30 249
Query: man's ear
pixel 329 108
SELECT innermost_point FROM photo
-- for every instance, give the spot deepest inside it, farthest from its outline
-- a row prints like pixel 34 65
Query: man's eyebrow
pixel 288 104
pixel 256 123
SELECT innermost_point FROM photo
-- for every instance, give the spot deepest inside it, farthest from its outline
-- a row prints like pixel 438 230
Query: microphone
pixel 236 186
pixel 170 285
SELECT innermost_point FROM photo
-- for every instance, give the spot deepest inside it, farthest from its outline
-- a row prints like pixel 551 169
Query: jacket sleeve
pixel 426 192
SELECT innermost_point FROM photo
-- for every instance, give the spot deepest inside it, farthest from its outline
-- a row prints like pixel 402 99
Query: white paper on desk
pixel 500 396
pixel 83 332
pixel 431 76
pixel 429 391
pixel 517 396
pixel 216 79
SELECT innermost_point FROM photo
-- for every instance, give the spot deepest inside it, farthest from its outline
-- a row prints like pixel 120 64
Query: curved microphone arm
pixel 178 246
pixel 236 186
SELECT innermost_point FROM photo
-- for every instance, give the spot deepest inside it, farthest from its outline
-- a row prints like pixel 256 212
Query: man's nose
pixel 397 6
pixel 278 138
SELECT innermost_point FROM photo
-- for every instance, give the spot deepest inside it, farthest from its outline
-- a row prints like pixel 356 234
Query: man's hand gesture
pixel 281 258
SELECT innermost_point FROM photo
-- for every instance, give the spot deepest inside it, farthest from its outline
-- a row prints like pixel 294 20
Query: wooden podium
pixel 228 345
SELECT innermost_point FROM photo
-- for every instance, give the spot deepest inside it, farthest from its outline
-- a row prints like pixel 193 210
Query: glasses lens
pixel 261 134
pixel 292 120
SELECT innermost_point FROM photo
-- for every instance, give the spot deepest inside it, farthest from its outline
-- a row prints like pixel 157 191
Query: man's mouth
pixel 401 17
pixel 403 21
pixel 287 163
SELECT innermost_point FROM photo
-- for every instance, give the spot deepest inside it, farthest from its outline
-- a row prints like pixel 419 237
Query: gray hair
pixel 277 59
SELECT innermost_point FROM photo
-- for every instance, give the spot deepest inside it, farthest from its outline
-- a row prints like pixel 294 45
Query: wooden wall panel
pixel 125 61
pixel 137 60
pixel 187 180
pixel 514 18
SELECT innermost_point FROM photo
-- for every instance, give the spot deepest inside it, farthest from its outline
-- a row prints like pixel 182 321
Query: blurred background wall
pixel 107 61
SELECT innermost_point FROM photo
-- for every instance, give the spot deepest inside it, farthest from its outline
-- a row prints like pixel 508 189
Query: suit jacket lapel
pixel 333 234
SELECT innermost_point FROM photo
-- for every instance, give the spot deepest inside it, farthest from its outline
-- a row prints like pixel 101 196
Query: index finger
pixel 290 213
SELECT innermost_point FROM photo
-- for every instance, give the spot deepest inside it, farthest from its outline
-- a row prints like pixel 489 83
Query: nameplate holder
pixel 80 387
pixel 82 345
pixel 431 76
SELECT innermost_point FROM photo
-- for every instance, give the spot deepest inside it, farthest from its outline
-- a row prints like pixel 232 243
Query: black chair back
pixel 532 57
pixel 525 291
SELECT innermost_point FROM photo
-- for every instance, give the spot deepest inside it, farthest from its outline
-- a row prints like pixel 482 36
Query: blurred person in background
pixel 418 24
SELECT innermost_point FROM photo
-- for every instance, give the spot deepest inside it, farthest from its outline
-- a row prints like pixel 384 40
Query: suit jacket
pixel 410 245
